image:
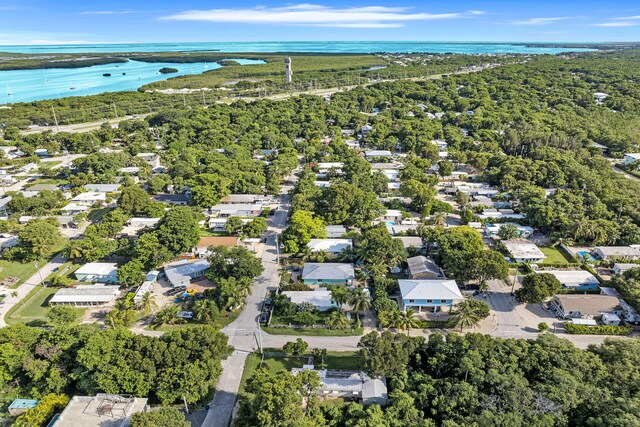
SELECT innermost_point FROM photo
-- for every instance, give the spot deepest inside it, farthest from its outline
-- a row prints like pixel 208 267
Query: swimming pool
pixel 586 254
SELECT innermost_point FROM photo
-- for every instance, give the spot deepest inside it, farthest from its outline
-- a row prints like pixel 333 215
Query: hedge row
pixel 572 328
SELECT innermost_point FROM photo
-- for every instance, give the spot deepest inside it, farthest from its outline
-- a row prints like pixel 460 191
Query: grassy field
pixel 17 269
pixel 554 255
pixel 275 361
pixel 34 307
pixel 97 214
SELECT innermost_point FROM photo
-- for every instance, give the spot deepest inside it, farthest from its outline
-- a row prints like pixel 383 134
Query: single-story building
pixel 392 215
pixel 411 242
pixel 8 241
pixel 574 279
pixel 254 199
pixel 320 298
pixel 101 272
pixel 335 231
pixel 584 306
pixel 18 406
pixel 85 296
pixel 630 158
pixel 330 273
pixel 218 223
pixel 619 252
pixel 102 188
pixel 132 170
pixel 181 273
pixel 139 223
pixel 433 295
pixel 102 410
pixel 374 154
pixel 621 267
pixel 201 250
pixel 237 209
pixel 74 208
pixel 523 251
pixel 171 199
pixel 152 159
pixel 421 267
pixel 147 286
pixel 331 246
pixel 350 385
pixel 89 198
pixel 493 230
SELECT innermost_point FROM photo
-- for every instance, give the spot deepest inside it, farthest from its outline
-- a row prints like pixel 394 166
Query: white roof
pixel 430 289
pixel 329 245
pixel 633 155
pixel 236 207
pixel 86 293
pixel 378 153
pixel 393 213
pixel 321 298
pixel 328 271
pixel 571 278
pixel 408 241
pixel 98 269
pixel 618 250
pixel 180 271
pixel 89 196
pixel 523 249
pixel 102 188
pixel 75 207
pixel 329 165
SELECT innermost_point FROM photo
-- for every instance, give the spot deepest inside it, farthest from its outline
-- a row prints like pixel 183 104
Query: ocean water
pixel 51 83
pixel 33 85
pixel 301 46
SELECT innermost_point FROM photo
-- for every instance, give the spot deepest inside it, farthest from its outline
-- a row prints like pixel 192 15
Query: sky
pixel 148 21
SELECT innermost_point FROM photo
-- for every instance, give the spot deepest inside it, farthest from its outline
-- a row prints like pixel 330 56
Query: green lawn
pixel 17 269
pixel 554 256
pixel 56 181
pixel 275 361
pixel 207 232
pixel 224 319
pixel 34 307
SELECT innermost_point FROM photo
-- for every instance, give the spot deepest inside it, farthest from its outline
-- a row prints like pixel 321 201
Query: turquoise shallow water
pixel 320 46
pixel 33 85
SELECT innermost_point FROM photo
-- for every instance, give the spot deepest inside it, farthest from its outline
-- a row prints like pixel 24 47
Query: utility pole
pixel 55 119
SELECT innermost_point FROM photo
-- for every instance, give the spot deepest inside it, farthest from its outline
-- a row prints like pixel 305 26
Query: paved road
pixel 81 127
pixel 243 332
pixel 24 289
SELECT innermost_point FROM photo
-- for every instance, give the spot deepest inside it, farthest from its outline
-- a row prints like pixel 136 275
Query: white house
pixel 378 153
pixel 102 188
pixel 89 198
pixel 620 252
pixel 433 295
pixel 101 272
pixel 524 251
pixel 332 246
pixel 630 158
pixel 335 231
pixel 139 223
pixel 152 159
pixel 74 208
pixel 349 385
pixel 621 267
pixel 239 209
pixel 574 279
pixel 85 296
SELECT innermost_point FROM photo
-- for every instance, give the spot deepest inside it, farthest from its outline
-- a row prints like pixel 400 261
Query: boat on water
pixel 106 75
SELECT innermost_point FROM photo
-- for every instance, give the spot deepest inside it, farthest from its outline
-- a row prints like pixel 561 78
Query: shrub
pixel 304 318
pixel 572 328
pixel 39 415
pixel 542 326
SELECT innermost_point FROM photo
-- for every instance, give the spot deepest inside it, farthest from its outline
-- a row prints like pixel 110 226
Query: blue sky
pixel 116 21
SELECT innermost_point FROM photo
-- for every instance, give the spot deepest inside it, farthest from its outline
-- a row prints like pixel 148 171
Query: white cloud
pixel 540 21
pixel 616 24
pixel 630 18
pixel 317 15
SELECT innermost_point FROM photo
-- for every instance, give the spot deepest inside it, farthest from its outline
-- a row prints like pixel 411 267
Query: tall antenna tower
pixel 287 69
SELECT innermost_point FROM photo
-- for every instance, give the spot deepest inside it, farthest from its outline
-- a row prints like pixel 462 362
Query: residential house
pixel 238 209
pixel 140 223
pixel 218 223
pixel 172 199
pixel 335 231
pixel 90 198
pixel 327 273
pixel 630 158
pixel 102 410
pixel 616 252
pixel 8 241
pixel 392 215
pixel 102 188
pixel 433 295
pixel 101 272
pixel 7 180
pixel 580 280
pixel 74 208
pixel 441 143
pixel 3 206
pixel 331 246
pixel 201 250
pixel 147 286
pixel 493 230
pixel 523 251
pixel 578 306
pixel 620 267
pixel 322 184
pixel 152 159
pixel 350 385
pixel 181 273
pixel 421 267
pixel 411 242
pixel 364 130
pixel 85 296
pixel 600 97
pixel 376 154
pixel 320 298
pixel 254 199
pixel 131 170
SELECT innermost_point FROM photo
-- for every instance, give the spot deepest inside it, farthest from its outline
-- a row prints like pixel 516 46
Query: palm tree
pixel 359 301
pixel 206 311
pixel 124 304
pixel 168 316
pixel 147 303
pixel 339 295
pixel 347 255
pixel 337 320
pixel 407 320
pixel 440 219
pixel 376 269
pixel 467 315
pixel 389 319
